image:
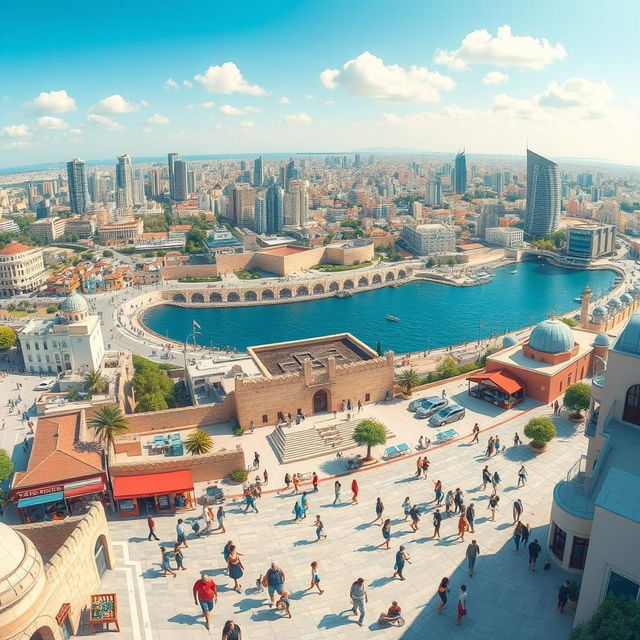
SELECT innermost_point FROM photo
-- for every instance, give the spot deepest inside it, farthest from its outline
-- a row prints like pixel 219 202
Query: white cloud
pixel 284 100
pixel 171 84
pixel 253 109
pixel 368 76
pixel 188 84
pixel 228 110
pixel 103 122
pixel 299 118
pixel 309 96
pixel 156 118
pixel 116 104
pixel 53 102
pixel 495 77
pixel 246 124
pixel 16 144
pixel 17 131
pixel 208 104
pixel 330 103
pixel 503 50
pixel 74 133
pixel 226 78
pixel 54 124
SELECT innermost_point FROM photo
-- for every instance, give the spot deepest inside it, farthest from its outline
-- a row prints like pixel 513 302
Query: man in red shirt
pixel 314 481
pixel 152 528
pixel 204 591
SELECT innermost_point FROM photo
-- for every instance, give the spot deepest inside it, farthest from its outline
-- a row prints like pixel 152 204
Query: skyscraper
pixel 242 201
pixel 77 185
pixel 296 203
pixel 124 183
pixel 275 207
pixel 260 207
pixel 138 187
pixel 543 196
pixel 433 196
pixel 258 172
pixel 180 181
pixel 171 160
pixel 155 182
pixel 460 175
pixel 290 173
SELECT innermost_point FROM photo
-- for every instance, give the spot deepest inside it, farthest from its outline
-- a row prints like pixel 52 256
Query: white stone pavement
pixel 505 599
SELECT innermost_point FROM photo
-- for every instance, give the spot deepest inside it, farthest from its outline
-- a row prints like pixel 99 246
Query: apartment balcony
pixel 598 384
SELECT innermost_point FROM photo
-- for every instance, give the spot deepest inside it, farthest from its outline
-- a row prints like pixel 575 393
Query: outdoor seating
pixel 403 448
pixel 445 436
pixel 391 452
pixel 177 449
pixel 174 437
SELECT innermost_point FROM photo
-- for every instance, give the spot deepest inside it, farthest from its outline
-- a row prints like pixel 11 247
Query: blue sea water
pixel 431 315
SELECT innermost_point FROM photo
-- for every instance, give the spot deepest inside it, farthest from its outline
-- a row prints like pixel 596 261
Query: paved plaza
pixel 504 597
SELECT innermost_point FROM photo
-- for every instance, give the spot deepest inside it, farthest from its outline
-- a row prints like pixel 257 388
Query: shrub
pixel 616 617
pixel 238 431
pixel 541 431
pixel 577 398
pixel 8 338
pixel 6 466
pixel 198 442
pixel 239 475
pixel 52 308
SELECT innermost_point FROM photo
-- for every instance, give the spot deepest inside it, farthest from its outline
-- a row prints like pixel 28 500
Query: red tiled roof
pixel 13 248
pixel 504 380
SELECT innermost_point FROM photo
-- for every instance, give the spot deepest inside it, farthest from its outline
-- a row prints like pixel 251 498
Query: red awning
pixel 153 484
pixel 88 489
pixel 503 380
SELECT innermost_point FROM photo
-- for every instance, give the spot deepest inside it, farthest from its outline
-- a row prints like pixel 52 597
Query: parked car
pixel 430 406
pixel 452 413
pixel 45 384
pixel 418 402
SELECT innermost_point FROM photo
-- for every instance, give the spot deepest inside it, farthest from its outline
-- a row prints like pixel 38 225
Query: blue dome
pixel 509 341
pixel 635 291
pixel 551 336
pixel 600 311
pixel 602 340
pixel 626 298
pixel 614 302
pixel 629 340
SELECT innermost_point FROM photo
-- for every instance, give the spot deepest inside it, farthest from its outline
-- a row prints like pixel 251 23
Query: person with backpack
pixel 493 505
pixel 274 581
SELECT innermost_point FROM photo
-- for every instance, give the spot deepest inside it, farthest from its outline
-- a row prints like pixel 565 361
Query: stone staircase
pixel 294 445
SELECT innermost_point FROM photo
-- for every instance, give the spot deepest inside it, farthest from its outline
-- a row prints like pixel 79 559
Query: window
pixel 578 552
pixel 560 385
pixel 367 397
pixel 37 346
pixel 28 345
pixel 30 358
pixel 265 419
pixel 621 586
pixel 558 542
pixel 569 379
pixel 632 405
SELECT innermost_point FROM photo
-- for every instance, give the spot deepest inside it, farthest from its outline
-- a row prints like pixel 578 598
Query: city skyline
pixel 425 78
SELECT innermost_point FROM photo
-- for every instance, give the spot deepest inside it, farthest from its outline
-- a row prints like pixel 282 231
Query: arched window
pixel 632 405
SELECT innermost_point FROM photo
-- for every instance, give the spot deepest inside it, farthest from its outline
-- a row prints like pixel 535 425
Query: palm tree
pixel 408 379
pixel 369 433
pixel 198 442
pixel 108 422
pixel 95 382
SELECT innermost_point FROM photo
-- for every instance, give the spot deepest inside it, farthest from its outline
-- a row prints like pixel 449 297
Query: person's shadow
pixel 333 620
pixel 183 618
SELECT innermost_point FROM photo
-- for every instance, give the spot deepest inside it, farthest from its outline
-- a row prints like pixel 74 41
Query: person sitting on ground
pixel 392 614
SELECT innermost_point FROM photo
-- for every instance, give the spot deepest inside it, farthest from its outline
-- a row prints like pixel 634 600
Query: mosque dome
pixel 602 340
pixel 74 303
pixel 509 341
pixel 626 298
pixel 629 340
pixel 600 311
pixel 551 336
pixel 614 302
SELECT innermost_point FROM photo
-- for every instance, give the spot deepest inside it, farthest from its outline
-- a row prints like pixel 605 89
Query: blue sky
pixel 210 77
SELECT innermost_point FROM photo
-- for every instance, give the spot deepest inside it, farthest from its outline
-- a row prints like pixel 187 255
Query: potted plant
pixel 574 594
pixel 577 398
pixel 541 431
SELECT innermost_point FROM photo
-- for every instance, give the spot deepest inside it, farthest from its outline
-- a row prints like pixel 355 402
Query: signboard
pixel 38 491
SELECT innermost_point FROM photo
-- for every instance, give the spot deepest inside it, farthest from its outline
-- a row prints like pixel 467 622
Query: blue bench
pixel 445 436
pixel 391 452
pixel 403 448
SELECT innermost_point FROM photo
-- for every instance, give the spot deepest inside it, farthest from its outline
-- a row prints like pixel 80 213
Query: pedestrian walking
pixel 458 499
pixel 496 445
pixel 473 551
pixel 181 537
pixel 337 488
pixel 493 505
pixel 152 528
pixel 418 466
pixel 297 511
pixel 402 557
pixel 165 563
pixel 443 589
pixel 256 460
pixel 470 514
pixel 178 557
pixel 462 526
pixel 354 491
pixel 358 595
pixel 462 604
pixel 406 508
pixel 534 551
pixel 250 501
pixel 475 433
pixel 556 408
pixel 359 406
pixel 563 595
pixel 448 501
pixel 265 477
pixel 489 451
pixel 220 516
pixel 275 580
pixel 315 578
pixel 205 594
pixel 444 393
pixel 386 534
pixel 495 480
pixel 287 481
pixel 437 521
pixel 415 517
pixel 486 476
pixel 235 567
pixel 516 440
pixel 437 490
pixel 379 511
pixel 231 631
pixel 522 476
pixel 320 534
pixel 425 467
pixel 518 508
pixel 314 481
pixel 517 535
pixel 296 482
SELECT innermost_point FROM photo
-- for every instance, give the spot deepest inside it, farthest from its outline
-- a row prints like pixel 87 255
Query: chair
pixel 403 448
pixel 391 452
pixel 158 442
pixel 444 436
pixel 174 437
pixel 177 449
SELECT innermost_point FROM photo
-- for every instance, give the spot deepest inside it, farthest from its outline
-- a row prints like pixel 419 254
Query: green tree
pixel 198 442
pixel 108 422
pixel 447 368
pixel 6 466
pixel 95 382
pixel 52 308
pixel 616 617
pixel 8 338
pixel 540 430
pixel 369 433
pixel 151 402
pixel 408 379
pixel 577 398
pixel 379 348
pixel 107 253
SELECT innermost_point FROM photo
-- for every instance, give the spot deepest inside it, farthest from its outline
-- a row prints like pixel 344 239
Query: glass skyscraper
pixel 78 186
pixel 543 196
pixel 275 208
pixel 460 175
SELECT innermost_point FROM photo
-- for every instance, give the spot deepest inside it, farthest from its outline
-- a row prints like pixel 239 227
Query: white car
pixel 45 385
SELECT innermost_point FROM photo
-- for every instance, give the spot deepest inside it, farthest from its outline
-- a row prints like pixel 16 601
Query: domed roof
pixel 626 298
pixel 75 303
pixel 551 336
pixel 509 341
pixel 629 340
pixel 614 302
pixel 602 340
pixel 600 311
pixel 20 568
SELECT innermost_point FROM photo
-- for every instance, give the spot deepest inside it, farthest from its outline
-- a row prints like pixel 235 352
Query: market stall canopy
pixel 153 484
pixel 502 380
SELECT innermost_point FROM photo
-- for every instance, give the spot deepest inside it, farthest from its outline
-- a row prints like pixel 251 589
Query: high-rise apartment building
pixel 296 203
pixel 433 196
pixel 138 188
pixel 242 202
pixel 258 172
pixel 191 181
pixel 180 181
pixel 124 183
pixel 290 173
pixel 171 160
pixel 543 196
pixel 78 186
pixel 275 207
pixel 260 209
pixel 460 173
pixel 155 183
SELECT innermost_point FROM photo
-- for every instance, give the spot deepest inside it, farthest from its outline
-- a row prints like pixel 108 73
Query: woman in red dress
pixel 354 491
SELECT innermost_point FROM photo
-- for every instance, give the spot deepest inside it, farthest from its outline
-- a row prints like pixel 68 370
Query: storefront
pixel 156 492
pixel 500 388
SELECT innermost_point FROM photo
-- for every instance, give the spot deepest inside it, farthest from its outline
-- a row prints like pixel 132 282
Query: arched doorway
pixel 632 405
pixel 100 556
pixel 43 633
pixel 320 401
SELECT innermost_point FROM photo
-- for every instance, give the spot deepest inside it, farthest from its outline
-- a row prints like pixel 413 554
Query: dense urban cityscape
pixel 227 374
